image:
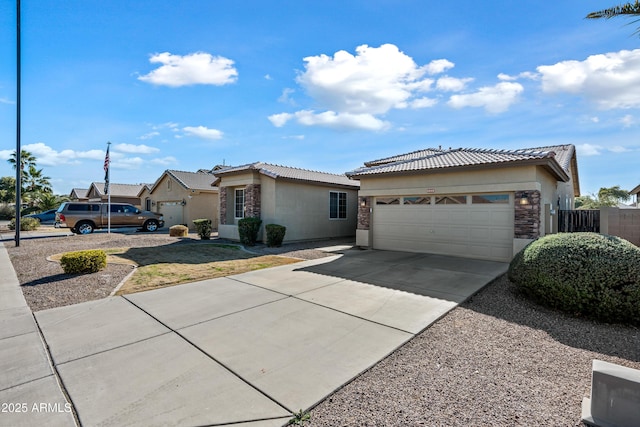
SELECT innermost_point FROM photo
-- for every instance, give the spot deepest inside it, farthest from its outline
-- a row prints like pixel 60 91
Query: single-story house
pixel 311 205
pixel 476 203
pixel 184 196
pixel 120 193
pixel 78 194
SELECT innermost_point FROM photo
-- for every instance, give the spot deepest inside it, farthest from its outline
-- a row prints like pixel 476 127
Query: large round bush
pixel 587 274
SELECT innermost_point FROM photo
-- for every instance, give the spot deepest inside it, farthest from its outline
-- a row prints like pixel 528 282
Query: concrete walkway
pixel 247 350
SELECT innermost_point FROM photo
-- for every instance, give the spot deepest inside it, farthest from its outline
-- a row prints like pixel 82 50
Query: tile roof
pixel 290 173
pixel 123 190
pixel 557 157
pixel 194 180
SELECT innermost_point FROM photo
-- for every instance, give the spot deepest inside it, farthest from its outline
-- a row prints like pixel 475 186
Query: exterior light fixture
pixel 524 199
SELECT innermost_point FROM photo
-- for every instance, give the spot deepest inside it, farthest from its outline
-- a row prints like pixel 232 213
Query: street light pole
pixel 18 148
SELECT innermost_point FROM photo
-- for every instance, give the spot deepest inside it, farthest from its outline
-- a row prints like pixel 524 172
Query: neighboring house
pixel 145 197
pixel 120 193
pixel 184 196
pixel 79 194
pixel 636 192
pixel 474 203
pixel 311 205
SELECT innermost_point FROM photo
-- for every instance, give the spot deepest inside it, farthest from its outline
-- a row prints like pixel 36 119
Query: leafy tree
pixel 627 9
pixel 605 197
pixel 7 189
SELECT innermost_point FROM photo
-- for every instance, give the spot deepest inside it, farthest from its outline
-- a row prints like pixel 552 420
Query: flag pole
pixel 107 186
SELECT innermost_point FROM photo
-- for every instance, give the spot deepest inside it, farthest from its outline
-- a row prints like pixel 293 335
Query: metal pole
pixel 18 148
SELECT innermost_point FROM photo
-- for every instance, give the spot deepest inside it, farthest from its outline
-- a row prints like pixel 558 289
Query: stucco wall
pixel 197 204
pixel 623 223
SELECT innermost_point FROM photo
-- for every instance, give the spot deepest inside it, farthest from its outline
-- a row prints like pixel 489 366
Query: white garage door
pixel 172 213
pixel 473 230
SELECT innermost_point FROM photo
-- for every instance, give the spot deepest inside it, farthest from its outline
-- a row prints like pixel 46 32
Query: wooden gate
pixel 579 220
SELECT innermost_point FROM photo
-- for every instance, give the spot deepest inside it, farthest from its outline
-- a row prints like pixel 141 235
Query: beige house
pixel 182 197
pixel 311 205
pixel 636 192
pixel 120 193
pixel 78 194
pixel 475 203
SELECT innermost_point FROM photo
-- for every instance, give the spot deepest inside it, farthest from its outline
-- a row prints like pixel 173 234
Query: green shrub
pixel 248 229
pixel 203 227
pixel 275 234
pixel 26 224
pixel 178 231
pixel 586 274
pixel 89 261
pixel 7 212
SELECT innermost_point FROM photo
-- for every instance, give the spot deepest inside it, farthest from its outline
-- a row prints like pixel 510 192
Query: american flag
pixel 106 172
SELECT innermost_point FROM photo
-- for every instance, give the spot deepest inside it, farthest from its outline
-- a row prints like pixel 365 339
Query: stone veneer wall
pixel 223 205
pixel 252 200
pixel 364 213
pixel 527 216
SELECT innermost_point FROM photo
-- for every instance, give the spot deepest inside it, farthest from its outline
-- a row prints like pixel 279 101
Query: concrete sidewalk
pixel 247 350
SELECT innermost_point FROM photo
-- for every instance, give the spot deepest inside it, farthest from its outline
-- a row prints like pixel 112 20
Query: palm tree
pixel 50 201
pixel 26 159
pixel 628 9
pixel 34 181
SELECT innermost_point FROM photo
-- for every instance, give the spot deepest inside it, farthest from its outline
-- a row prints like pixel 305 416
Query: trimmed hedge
pixel 275 234
pixel 248 230
pixel 588 274
pixel 89 261
pixel 203 227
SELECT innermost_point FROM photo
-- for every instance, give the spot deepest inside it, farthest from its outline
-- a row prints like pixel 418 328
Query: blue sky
pixel 318 85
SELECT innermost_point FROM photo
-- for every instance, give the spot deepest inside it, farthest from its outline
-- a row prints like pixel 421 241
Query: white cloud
pixel 524 75
pixel 611 80
pixel 619 149
pixel 149 135
pixel 627 121
pixel 494 99
pixel 589 149
pixel 452 84
pixel 423 103
pixel 129 163
pixel 286 96
pixel 438 66
pixel 195 68
pixel 203 132
pixel 6 101
pixel 373 81
pixel 331 119
pixel 164 161
pixel 135 149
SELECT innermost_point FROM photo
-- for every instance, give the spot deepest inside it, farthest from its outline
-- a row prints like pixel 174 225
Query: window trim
pixel 340 210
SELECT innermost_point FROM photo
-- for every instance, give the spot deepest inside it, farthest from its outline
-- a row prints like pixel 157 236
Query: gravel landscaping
pixel 496 360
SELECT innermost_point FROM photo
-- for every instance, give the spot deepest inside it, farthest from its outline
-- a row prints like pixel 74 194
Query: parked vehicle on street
pixel 46 217
pixel 84 217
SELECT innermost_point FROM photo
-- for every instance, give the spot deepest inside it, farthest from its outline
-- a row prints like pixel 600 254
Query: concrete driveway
pixel 247 350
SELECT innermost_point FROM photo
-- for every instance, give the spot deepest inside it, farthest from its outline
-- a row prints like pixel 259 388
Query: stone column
pixel 364 213
pixel 252 200
pixel 223 204
pixel 527 214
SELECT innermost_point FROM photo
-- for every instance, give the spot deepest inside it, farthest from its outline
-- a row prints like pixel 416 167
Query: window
pixel 490 198
pixel 451 200
pixel 387 200
pixel 337 205
pixel 239 203
pixel 417 200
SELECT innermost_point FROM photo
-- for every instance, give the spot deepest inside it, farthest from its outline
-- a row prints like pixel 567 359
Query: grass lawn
pixel 163 266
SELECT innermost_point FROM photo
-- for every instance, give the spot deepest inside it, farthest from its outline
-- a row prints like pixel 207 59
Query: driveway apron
pixel 245 350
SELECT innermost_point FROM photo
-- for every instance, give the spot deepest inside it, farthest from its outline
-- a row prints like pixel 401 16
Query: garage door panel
pixel 476 231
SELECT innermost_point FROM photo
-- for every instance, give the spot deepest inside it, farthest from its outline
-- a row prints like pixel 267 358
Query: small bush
pixel 178 231
pixel 26 224
pixel 203 227
pixel 89 261
pixel 7 212
pixel 248 229
pixel 586 274
pixel 275 234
